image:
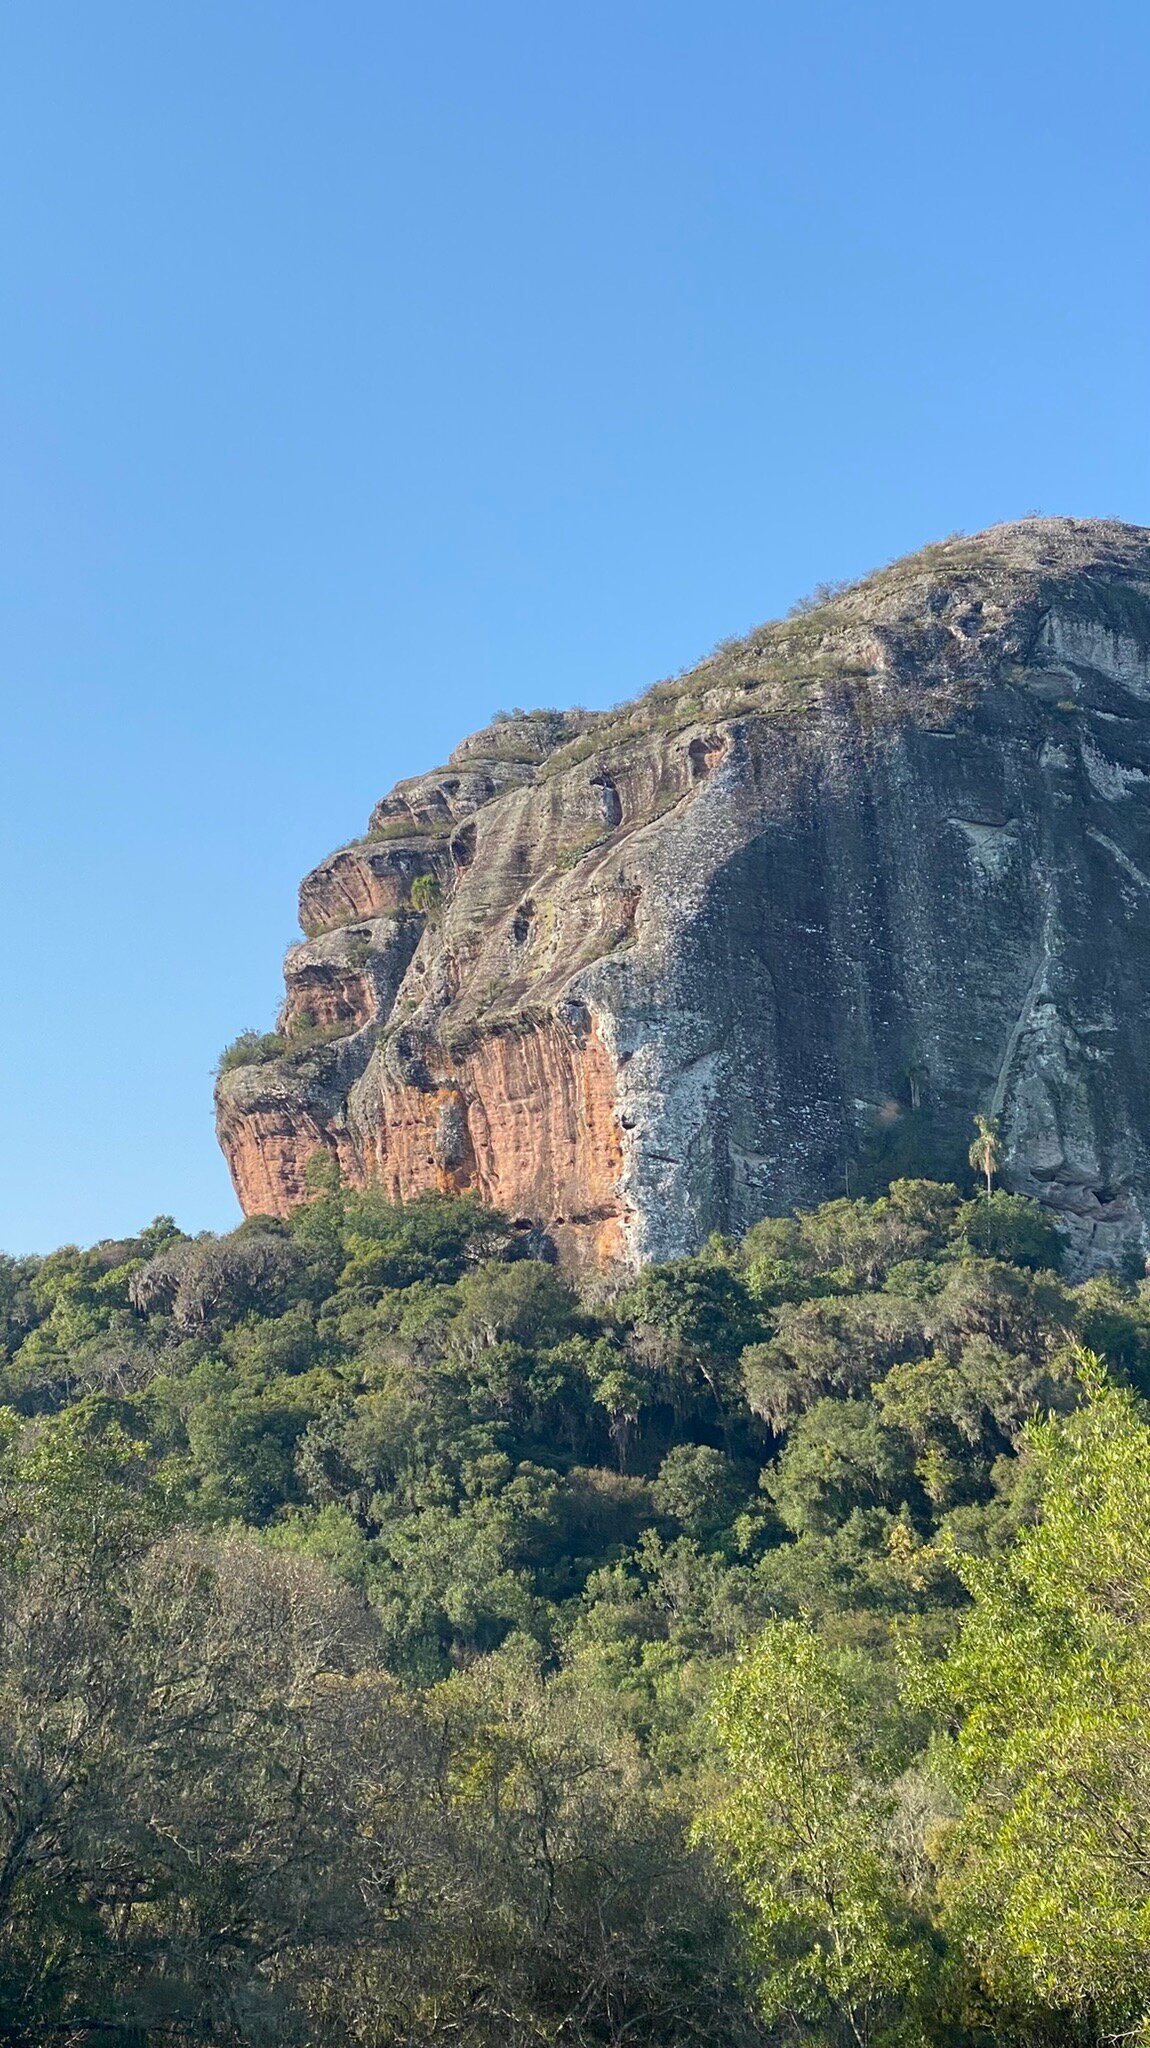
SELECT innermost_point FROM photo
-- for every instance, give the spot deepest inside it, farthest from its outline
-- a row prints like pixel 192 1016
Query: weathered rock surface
pixel 774 931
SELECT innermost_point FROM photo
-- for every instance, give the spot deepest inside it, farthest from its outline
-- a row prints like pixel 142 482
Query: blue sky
pixel 367 367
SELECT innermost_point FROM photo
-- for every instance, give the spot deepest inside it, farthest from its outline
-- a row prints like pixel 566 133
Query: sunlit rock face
pixel 772 933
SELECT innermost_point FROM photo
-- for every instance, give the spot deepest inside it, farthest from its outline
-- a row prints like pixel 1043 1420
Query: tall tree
pixel 1045 1877
pixel 986 1149
pixel 805 1821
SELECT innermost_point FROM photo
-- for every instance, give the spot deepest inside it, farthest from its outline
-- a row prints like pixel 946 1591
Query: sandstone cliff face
pixel 772 932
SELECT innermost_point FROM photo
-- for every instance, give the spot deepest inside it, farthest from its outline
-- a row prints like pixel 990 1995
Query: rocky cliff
pixel 770 933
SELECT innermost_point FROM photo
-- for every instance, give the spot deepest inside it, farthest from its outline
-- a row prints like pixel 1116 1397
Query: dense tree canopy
pixel 401 1647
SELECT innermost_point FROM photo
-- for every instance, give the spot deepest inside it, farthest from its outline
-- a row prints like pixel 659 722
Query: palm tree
pixel 986 1150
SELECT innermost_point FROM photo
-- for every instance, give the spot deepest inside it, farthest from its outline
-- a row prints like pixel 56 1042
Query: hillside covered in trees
pixel 401 1647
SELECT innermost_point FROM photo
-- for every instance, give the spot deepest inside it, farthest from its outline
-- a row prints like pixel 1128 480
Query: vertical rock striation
pixel 772 932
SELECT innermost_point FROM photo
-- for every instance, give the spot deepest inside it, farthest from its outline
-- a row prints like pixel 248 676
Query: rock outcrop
pixel 771 933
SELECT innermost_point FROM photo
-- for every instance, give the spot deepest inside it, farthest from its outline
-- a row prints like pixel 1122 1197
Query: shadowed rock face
pixel 772 933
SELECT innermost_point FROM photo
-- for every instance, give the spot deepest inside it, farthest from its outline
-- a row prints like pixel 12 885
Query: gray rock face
pixel 776 931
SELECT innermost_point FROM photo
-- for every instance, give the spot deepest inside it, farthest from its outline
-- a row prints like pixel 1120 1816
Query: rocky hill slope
pixel 773 931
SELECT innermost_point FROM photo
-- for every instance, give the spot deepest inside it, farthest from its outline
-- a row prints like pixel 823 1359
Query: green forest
pixel 401 1644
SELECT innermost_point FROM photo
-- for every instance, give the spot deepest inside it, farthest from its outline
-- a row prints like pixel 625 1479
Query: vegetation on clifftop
pixel 398 1648
pixel 257 1048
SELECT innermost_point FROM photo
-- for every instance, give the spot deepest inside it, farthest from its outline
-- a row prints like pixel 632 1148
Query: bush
pixel 1014 1228
pixel 250 1049
pixel 257 1048
pixel 425 894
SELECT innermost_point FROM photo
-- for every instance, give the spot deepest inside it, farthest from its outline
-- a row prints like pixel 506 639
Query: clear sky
pixel 367 367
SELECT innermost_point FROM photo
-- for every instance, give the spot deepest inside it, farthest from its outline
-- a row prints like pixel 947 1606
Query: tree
pixel 986 1150
pixel 839 1345
pixel 700 1488
pixel 570 1905
pixel 1011 1227
pixel 180 1765
pixel 322 1175
pixel 1045 1877
pixel 840 1456
pixel 693 1318
pixel 425 894
pixel 805 1821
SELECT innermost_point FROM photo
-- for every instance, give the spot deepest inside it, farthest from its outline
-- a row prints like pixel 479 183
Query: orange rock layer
pixel 267 1149
pixel 526 1121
